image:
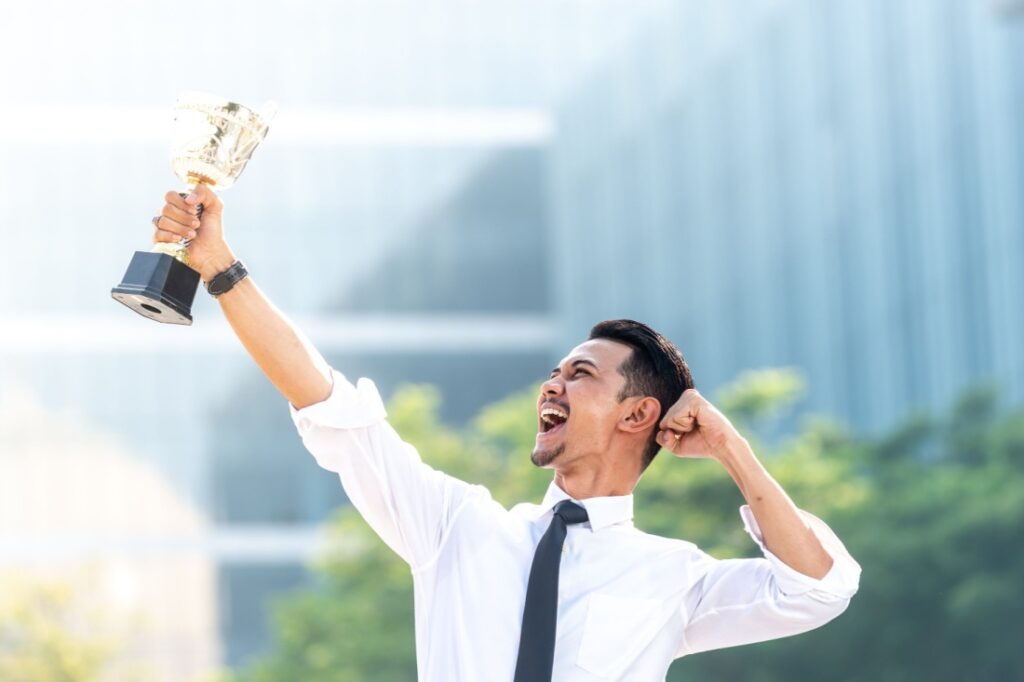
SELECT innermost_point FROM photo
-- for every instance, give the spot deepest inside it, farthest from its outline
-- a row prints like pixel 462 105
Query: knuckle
pixel 209 196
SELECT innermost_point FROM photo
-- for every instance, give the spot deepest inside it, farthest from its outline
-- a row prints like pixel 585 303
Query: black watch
pixel 222 283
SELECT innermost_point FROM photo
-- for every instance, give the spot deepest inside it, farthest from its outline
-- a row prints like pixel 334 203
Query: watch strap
pixel 223 282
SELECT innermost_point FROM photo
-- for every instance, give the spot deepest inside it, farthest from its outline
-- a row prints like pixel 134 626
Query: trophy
pixel 213 140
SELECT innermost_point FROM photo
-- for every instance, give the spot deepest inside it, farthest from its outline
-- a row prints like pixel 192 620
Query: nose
pixel 552 387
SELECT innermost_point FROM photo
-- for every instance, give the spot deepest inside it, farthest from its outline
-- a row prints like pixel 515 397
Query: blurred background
pixel 819 201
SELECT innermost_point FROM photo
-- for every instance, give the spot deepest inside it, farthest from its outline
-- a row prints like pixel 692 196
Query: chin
pixel 543 458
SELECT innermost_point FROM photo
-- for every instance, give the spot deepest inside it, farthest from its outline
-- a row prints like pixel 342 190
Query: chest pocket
pixel 615 631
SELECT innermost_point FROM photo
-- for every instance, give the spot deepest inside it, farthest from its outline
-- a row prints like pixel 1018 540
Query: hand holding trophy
pixel 213 141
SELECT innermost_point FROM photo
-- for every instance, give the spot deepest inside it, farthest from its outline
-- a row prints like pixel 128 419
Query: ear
pixel 641 414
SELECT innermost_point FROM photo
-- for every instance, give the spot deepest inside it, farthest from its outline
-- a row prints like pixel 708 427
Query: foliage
pixel 933 511
pixel 940 538
pixel 42 638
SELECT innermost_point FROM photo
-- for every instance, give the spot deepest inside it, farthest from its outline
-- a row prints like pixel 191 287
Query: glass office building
pixel 829 185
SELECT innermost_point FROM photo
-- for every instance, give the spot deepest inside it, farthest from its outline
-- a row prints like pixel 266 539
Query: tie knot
pixel 571 512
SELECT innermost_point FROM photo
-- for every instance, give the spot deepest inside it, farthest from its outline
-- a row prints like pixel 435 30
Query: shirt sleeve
pixel 407 503
pixel 742 601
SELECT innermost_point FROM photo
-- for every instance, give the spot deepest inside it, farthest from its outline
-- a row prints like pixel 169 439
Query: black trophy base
pixel 159 287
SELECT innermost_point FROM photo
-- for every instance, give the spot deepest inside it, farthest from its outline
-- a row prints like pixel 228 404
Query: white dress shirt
pixel 629 602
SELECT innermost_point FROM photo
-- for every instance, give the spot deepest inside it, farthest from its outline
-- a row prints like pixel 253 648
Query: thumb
pixel 195 196
pixel 203 195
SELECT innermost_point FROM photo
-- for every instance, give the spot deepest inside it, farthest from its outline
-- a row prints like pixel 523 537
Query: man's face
pixel 578 407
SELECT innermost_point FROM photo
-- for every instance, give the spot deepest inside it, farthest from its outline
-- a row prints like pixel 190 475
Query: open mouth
pixel 552 418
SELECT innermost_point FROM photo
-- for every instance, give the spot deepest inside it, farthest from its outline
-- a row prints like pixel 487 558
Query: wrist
pixel 737 456
pixel 745 469
pixel 217 263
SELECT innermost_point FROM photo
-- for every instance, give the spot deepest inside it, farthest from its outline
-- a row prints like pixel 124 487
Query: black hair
pixel 655 368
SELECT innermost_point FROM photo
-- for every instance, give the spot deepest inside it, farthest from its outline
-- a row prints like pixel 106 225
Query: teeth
pixel 549 412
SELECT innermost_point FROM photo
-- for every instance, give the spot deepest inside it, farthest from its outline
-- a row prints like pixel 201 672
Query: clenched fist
pixel 693 427
pixel 181 218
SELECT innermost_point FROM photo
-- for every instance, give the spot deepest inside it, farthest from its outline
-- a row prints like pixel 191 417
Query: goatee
pixel 542 458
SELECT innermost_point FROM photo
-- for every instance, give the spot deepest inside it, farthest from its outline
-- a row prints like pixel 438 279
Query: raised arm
pixel 284 354
pixel 693 427
pixel 806 578
pixel 407 503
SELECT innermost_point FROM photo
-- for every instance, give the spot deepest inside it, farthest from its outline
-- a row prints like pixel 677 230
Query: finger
pixel 179 216
pixel 691 446
pixel 168 225
pixel 678 422
pixel 669 417
pixel 205 196
pixel 165 236
pixel 668 439
pixel 175 199
pixel 682 414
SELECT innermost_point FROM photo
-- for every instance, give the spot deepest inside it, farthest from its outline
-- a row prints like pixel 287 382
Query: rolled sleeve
pixel 742 601
pixel 841 581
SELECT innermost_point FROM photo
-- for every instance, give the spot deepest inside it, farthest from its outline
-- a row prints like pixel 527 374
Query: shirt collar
pixel 601 511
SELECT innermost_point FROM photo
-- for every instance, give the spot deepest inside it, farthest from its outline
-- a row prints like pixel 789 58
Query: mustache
pixel 554 401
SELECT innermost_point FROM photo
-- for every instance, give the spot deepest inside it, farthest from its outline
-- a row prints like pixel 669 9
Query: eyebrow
pixel 576 363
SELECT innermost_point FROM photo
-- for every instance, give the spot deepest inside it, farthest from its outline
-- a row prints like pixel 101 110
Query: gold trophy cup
pixel 213 141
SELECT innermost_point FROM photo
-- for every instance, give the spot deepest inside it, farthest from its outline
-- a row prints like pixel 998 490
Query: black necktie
pixel 537 637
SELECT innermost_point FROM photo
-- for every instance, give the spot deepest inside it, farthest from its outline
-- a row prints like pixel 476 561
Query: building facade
pixel 828 185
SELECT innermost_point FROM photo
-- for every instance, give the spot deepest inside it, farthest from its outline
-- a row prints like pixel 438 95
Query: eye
pixel 580 371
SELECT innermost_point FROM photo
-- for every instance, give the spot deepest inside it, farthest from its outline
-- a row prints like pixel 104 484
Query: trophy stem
pixel 178 251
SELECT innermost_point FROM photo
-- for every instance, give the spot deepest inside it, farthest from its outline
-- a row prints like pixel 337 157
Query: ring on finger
pixel 156 221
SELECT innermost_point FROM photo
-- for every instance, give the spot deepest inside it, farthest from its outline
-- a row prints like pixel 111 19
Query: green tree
pixel 933 511
pixel 42 635
pixel 941 540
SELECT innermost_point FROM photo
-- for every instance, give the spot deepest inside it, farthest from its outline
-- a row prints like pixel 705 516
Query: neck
pixel 582 484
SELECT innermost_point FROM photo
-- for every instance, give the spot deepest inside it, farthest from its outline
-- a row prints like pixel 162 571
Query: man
pixel 569 589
